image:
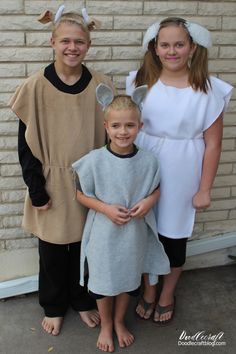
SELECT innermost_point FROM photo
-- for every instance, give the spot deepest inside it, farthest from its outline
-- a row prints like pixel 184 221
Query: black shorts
pixel 175 250
pixel 134 293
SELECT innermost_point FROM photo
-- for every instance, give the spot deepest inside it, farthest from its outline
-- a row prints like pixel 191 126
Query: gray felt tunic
pixel 117 255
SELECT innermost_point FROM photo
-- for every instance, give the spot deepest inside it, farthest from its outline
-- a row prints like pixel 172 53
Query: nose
pixel 172 50
pixel 72 45
pixel 123 130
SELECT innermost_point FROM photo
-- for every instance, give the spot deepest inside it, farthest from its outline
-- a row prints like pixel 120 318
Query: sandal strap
pixel 146 305
pixel 163 309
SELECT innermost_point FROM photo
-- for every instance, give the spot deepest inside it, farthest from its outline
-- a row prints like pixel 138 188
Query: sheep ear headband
pixel 47 16
pixel 105 95
pixel 198 33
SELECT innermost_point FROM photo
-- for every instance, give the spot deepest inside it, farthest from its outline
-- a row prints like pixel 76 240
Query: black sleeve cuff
pixel 39 199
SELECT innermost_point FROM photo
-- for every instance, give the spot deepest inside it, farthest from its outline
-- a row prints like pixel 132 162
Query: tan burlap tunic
pixel 60 128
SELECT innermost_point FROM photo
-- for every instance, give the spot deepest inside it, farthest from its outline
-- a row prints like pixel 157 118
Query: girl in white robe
pixel 183 122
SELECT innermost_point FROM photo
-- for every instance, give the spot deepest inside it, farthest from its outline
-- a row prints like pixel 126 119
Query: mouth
pixel 172 58
pixel 123 139
pixel 72 55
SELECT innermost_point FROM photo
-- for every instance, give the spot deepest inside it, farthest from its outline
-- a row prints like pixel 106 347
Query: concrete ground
pixel 206 302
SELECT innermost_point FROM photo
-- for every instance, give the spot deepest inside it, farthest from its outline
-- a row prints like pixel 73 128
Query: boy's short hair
pixel 122 102
pixel 71 18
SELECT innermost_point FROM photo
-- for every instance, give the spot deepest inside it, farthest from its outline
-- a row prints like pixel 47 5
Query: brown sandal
pixel 164 309
pixel 146 306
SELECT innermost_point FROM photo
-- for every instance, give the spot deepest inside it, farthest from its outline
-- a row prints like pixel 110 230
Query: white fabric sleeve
pixel 218 99
pixel 130 86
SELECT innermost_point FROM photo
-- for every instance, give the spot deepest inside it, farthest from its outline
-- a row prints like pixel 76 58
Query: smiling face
pixel 70 44
pixel 174 48
pixel 122 126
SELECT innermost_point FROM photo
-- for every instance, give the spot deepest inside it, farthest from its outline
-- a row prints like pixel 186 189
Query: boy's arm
pixel 116 213
pixel 140 209
pixel 32 172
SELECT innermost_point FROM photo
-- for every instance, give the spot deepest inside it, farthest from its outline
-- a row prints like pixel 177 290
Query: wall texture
pixel 116 49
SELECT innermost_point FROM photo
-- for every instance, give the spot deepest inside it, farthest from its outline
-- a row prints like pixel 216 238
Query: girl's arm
pixel 213 141
pixel 116 213
pixel 140 209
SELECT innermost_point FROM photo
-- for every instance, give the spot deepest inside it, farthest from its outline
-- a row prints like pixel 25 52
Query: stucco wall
pixel 116 49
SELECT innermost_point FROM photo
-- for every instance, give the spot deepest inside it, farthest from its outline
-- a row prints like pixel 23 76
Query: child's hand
pixel 140 209
pixel 117 214
pixel 201 200
pixel 44 207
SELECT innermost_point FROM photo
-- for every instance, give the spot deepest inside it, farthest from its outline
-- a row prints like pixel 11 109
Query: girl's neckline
pixel 173 87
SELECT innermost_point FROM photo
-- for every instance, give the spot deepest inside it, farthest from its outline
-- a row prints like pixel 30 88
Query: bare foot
pixel 91 318
pixel 52 325
pixel 105 340
pixel 125 338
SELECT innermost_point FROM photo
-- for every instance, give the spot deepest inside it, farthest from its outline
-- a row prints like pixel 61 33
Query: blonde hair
pixel 71 18
pixel 151 67
pixel 121 102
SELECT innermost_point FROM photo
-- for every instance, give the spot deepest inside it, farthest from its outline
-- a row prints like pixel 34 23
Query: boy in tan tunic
pixel 60 121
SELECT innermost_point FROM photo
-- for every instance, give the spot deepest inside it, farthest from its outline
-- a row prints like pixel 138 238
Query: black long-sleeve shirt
pixel 31 166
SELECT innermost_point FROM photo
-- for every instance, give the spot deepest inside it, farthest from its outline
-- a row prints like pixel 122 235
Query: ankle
pixel 119 322
pixel 166 297
pixel 106 324
pixel 149 296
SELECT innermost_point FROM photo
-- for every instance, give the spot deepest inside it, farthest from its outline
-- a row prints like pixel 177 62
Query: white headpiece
pixel 61 9
pixel 105 95
pixel 47 16
pixel 199 34
pixel 59 13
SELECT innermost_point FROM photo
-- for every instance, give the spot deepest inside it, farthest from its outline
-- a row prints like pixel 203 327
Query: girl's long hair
pixel 151 67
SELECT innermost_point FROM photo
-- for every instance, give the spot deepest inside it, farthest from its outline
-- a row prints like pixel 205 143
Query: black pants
pixel 175 250
pixel 59 273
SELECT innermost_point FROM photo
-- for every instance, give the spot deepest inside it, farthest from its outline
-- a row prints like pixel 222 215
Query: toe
pixel 139 311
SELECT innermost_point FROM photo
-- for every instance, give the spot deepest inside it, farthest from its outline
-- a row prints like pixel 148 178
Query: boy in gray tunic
pixel 119 184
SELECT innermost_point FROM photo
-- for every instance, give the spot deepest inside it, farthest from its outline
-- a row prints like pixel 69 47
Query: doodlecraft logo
pixel 201 338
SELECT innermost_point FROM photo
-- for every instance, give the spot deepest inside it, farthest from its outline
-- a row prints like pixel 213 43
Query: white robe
pixel 174 122
pixel 117 255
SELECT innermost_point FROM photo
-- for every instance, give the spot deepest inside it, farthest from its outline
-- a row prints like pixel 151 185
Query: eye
pixel 65 40
pixel 80 41
pixel 180 45
pixel 163 45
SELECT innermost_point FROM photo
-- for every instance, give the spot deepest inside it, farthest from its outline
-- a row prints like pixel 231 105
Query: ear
pixel 156 51
pixel 52 42
pixel 156 47
pixel 94 24
pixel 89 44
pixel 45 17
pixel 193 48
pixel 139 95
pixel 105 124
pixel 104 95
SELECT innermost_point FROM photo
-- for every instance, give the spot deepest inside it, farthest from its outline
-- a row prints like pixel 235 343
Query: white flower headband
pixel 198 33
pixel 47 16
pixel 105 95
